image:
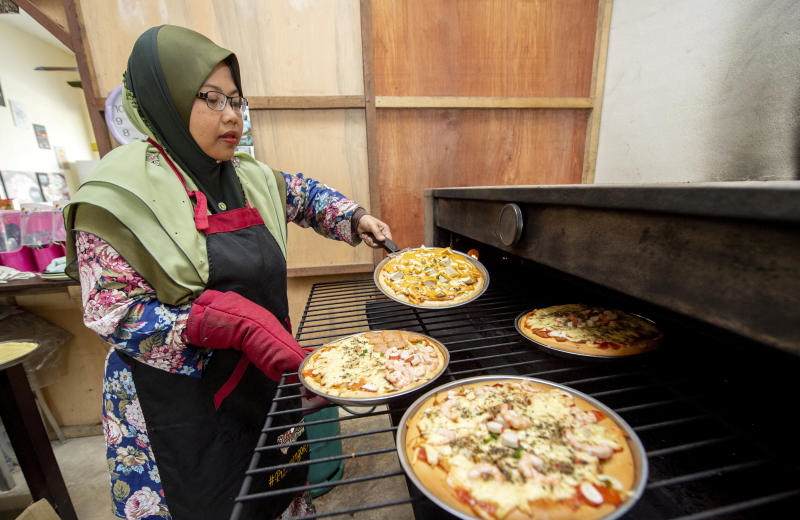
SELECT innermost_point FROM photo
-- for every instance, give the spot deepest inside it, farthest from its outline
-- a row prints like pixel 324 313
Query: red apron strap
pixel 232 381
pixel 201 206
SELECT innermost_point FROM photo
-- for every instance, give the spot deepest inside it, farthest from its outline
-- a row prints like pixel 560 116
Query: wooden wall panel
pixel 483 47
pixel 284 48
pixel 329 146
pixel 432 148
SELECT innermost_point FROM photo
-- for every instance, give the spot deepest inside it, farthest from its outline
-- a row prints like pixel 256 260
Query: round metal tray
pixel 580 355
pixel 369 401
pixel 641 467
pixel 474 261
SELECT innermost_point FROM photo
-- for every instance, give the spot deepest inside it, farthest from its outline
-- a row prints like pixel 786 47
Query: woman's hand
pixel 380 230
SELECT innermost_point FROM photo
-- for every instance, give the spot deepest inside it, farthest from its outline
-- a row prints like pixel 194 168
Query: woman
pixel 180 249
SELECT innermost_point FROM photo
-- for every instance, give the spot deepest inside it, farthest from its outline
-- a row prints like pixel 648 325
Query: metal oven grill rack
pixel 709 412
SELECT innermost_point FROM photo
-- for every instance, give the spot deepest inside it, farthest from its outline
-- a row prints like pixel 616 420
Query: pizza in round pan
pixel 517 449
pixel 590 330
pixel 431 277
pixel 373 364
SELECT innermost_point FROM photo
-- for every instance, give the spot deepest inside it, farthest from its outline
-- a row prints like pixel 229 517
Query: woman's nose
pixel 228 113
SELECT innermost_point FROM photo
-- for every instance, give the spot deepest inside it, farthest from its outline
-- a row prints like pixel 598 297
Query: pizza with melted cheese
pixel 431 277
pixel 518 449
pixel 372 364
pixel 592 330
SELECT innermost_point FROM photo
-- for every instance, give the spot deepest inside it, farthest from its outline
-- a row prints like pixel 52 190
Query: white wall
pixel 701 90
pixel 47 100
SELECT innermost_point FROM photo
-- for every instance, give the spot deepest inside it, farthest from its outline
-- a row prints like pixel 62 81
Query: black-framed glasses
pixel 217 101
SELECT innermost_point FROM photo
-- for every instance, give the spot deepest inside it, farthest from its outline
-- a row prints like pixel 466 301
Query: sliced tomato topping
pixel 464 496
pixel 598 414
pixel 421 455
pixel 610 495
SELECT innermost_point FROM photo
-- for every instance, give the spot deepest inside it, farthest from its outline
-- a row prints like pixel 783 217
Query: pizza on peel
pixel 431 277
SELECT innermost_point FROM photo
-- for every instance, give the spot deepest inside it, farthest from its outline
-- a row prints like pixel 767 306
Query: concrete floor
pixel 83 466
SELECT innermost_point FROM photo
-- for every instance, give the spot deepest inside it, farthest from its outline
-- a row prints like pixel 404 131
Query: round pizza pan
pixel 474 261
pixel 580 355
pixel 369 401
pixel 641 467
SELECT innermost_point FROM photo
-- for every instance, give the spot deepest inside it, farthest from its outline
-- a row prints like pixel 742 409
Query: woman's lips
pixel 230 137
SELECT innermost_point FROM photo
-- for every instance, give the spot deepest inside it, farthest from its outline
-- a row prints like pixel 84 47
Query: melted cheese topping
pixel 429 275
pixel 581 323
pixel 373 363
pixel 507 445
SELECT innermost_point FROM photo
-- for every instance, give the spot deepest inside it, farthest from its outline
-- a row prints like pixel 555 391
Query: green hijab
pixel 133 200
pixel 166 68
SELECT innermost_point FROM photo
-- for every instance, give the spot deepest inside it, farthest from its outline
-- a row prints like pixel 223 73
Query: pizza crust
pixel 588 348
pixel 620 466
pixel 469 294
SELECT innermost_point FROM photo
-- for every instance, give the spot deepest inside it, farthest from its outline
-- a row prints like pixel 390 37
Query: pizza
pixel 372 364
pixel 431 277
pixel 592 330
pixel 515 449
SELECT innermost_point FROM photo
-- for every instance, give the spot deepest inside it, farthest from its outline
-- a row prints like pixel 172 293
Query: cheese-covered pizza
pixel 431 277
pixel 374 363
pixel 591 330
pixel 517 449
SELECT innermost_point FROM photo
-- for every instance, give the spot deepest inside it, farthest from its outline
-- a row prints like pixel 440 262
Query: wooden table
pixel 24 423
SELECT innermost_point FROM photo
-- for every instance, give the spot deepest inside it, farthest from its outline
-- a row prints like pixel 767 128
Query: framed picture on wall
pixel 61 156
pixel 22 186
pixel 53 186
pixel 41 136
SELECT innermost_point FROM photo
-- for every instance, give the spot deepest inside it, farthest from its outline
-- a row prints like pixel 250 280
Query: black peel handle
pixel 387 244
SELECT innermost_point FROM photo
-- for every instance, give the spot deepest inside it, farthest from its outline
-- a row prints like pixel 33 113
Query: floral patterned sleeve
pixel 310 203
pixel 123 309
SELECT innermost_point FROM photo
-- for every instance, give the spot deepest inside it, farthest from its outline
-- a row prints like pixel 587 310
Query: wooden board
pixel 541 48
pixel 284 48
pixel 434 148
pixel 75 398
pixel 329 146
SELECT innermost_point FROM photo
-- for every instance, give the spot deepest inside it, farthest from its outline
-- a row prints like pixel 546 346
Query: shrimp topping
pixel 513 419
pixel 485 471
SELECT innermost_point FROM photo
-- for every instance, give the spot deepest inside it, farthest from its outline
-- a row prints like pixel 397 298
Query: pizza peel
pixel 387 244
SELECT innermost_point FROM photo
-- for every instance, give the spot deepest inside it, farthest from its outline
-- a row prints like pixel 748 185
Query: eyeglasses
pixel 217 101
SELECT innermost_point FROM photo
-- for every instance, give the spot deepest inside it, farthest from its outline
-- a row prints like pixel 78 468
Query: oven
pixel 716 266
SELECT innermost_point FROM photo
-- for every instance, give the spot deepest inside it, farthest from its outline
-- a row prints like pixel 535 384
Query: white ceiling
pixel 24 22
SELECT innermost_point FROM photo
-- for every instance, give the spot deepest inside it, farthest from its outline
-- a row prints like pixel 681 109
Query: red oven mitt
pixel 229 320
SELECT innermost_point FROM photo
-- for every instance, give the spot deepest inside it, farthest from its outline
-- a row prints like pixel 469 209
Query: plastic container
pixel 44 255
pixel 59 231
pixel 22 260
pixel 37 224
pixel 10 231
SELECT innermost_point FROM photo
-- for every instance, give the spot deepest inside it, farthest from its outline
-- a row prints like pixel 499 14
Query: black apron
pixel 204 430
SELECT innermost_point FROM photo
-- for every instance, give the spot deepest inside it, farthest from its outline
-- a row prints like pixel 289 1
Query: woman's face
pixel 217 133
